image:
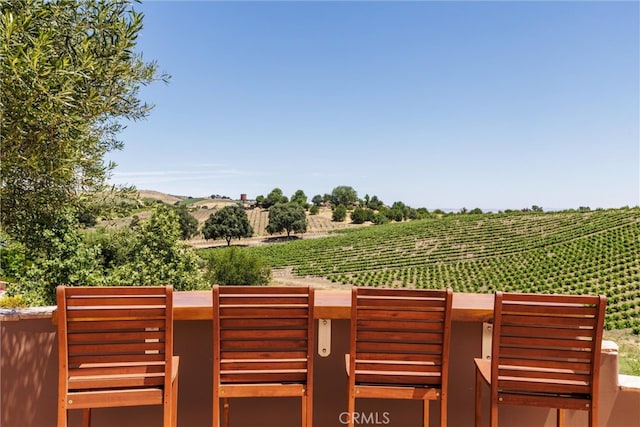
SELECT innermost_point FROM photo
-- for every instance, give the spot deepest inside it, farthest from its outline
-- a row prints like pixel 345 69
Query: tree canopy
pixel 343 195
pixel 229 222
pixel 276 196
pixel 300 198
pixel 69 74
pixel 188 223
pixel 339 213
pixel 287 217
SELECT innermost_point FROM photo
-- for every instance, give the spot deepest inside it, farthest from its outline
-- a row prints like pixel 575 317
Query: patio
pixel 28 375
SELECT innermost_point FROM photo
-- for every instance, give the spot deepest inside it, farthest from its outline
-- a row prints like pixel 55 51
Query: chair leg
pixel 493 414
pixel 478 411
pixel 174 404
pixel 309 409
pixel 215 422
pixel 62 416
pixel 560 417
pixel 225 412
pixel 86 417
pixel 304 410
pixel 425 413
pixel 351 407
pixel 443 411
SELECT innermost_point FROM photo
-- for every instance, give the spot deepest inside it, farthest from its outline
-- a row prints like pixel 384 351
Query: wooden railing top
pixel 330 304
pixel 333 304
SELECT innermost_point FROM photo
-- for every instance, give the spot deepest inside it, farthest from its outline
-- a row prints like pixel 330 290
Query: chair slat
pixel 537 331
pixel 110 348
pixel 539 385
pixel 395 325
pixel 262 353
pixel 542 354
pixel 549 310
pixel 263 376
pixel 99 325
pixel 390 315
pixel 115 358
pixel 393 367
pixel 115 381
pixel 116 313
pixel 409 303
pixel 573 364
pixel 399 347
pixel 137 300
pixel 92 291
pixel 115 337
pixel 393 336
pixel 263 334
pixel 259 364
pixel 551 342
pixel 264 300
pixel 399 356
pixel 551 375
pixel 549 321
pixel 270 323
pixel 224 291
pixel 263 312
pixel 116 369
pixel 512 298
pixel 405 293
pixel 377 377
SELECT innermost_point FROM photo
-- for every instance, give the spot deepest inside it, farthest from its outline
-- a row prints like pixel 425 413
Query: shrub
pixel 339 213
pixel 234 266
pixel 17 301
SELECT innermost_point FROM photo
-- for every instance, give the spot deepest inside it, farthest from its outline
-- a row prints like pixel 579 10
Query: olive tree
pixel 69 75
pixel 229 222
pixel 287 217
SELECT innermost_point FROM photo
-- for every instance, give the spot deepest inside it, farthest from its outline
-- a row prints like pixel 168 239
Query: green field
pixel 573 252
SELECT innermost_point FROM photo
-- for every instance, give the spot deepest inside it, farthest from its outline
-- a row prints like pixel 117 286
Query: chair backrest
pixel 105 332
pixel 400 336
pixel 547 344
pixel 263 334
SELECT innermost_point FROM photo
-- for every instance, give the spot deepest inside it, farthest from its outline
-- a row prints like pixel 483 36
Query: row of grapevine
pixel 596 252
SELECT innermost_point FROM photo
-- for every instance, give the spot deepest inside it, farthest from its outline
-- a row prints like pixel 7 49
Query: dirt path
pixel 285 276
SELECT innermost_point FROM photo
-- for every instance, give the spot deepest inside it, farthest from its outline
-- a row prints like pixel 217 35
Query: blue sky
pixel 443 104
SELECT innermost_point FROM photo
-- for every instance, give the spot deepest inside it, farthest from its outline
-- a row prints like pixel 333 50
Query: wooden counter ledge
pixel 330 304
pixel 333 304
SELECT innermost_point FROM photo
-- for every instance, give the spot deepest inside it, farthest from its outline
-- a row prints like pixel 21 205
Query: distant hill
pixel 163 197
pixel 203 207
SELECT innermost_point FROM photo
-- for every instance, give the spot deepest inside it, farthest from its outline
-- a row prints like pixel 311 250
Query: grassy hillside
pixel 595 252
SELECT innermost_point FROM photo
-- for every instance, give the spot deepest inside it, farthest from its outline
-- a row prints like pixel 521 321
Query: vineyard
pixel 593 252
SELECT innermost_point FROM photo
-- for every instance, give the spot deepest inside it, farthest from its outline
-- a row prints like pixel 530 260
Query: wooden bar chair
pixel 545 352
pixel 399 347
pixel 263 341
pixel 115 347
